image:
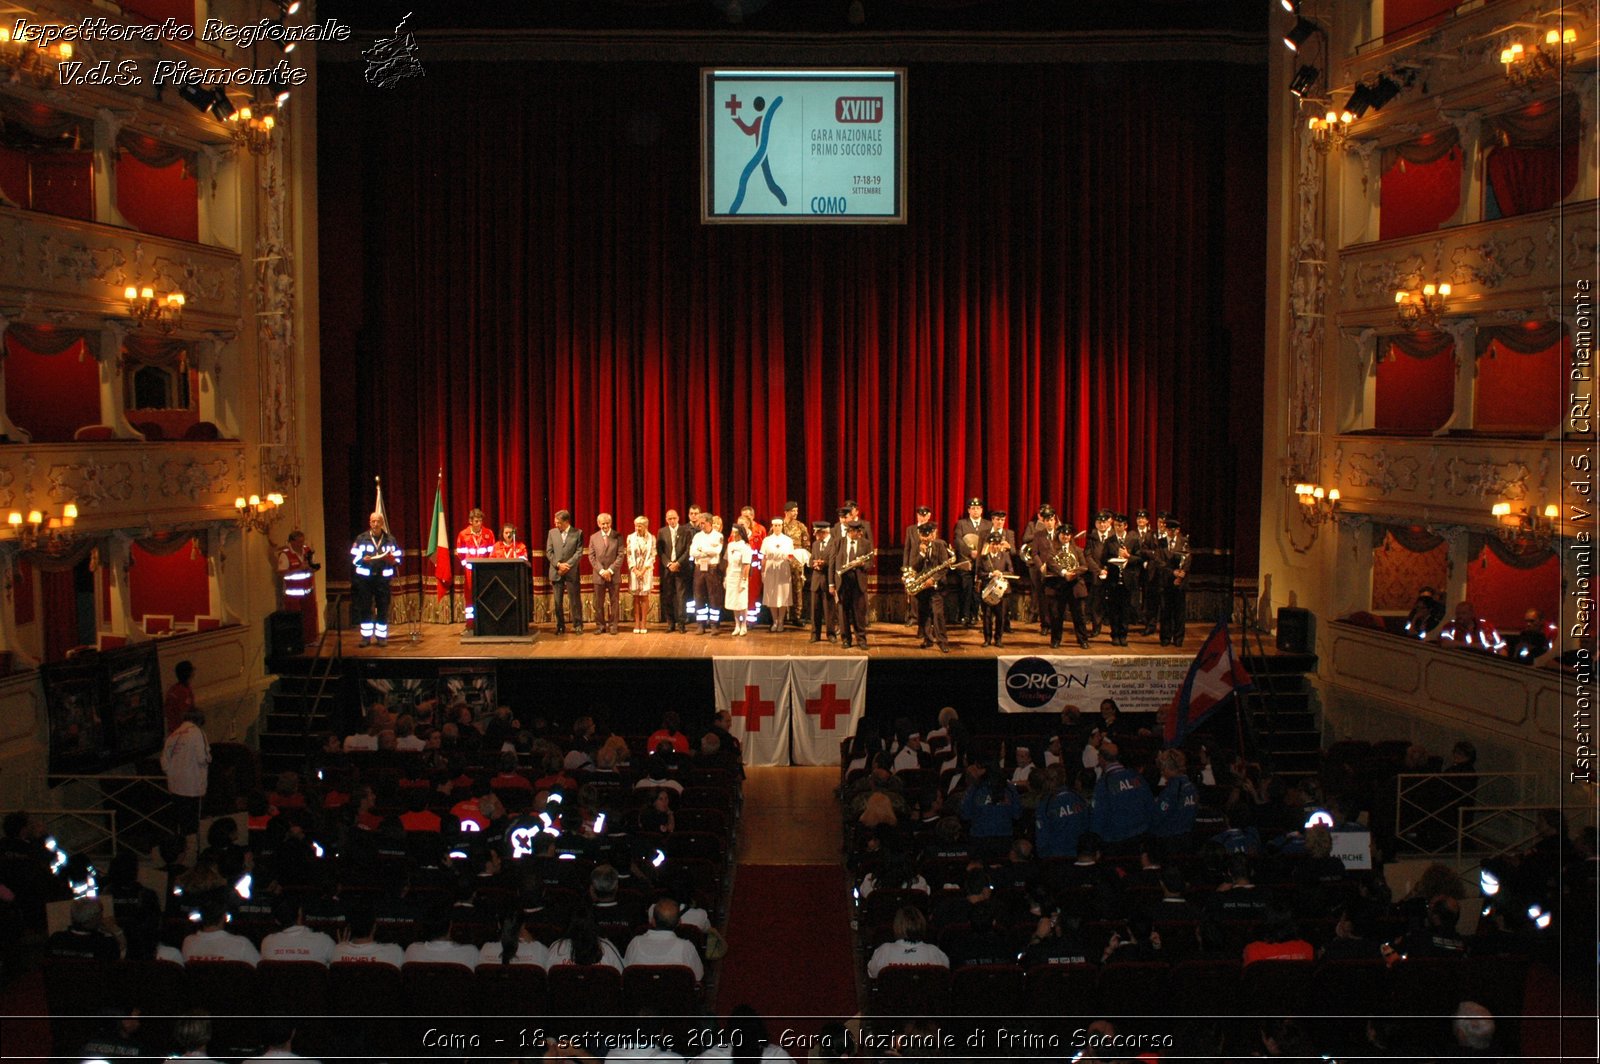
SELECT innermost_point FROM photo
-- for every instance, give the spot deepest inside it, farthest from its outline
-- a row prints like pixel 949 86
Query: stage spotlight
pixel 197 97
pixel 1360 101
pixel 1384 90
pixel 1304 79
pixel 221 106
pixel 1301 32
pixel 280 89
pixel 1291 6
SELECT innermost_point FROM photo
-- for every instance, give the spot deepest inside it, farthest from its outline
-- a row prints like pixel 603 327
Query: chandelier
pixel 1317 504
pixel 147 308
pixel 252 126
pixel 1527 65
pixel 29 61
pixel 258 513
pixel 1525 531
pixel 1330 131
pixel 40 531
pixel 1423 308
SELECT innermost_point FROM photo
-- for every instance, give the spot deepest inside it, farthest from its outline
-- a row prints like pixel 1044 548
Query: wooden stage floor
pixel 886 640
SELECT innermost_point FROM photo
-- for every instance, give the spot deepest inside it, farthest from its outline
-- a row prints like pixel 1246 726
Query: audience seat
pixel 577 991
pixel 508 990
pixel 1203 988
pixel 1425 986
pixel 437 989
pixel 985 989
pixel 911 990
pixel 364 989
pixel 1131 988
pixel 1277 988
pixel 661 989
pixel 1353 987
pixel 292 988
pixel 159 988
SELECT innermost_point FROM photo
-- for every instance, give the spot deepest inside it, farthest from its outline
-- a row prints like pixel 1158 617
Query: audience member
pixel 910 945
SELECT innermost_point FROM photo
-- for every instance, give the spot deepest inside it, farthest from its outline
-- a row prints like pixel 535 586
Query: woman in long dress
pixel 777 555
pixel 641 548
pixel 736 585
pixel 753 535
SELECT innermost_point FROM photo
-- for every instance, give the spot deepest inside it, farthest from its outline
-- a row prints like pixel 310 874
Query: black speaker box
pixel 1295 631
pixel 286 634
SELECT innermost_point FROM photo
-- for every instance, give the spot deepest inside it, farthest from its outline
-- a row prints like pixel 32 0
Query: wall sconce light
pixel 39 531
pixel 147 308
pixel 29 61
pixel 1330 131
pixel 1525 531
pixel 258 513
pixel 1527 65
pixel 252 126
pixel 1317 504
pixel 1423 308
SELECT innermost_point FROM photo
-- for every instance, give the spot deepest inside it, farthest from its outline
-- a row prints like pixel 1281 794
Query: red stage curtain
pixel 1416 384
pixel 1519 386
pixel 1404 17
pixel 51 393
pixel 158 197
pixel 1417 197
pixel 1503 591
pixel 59 612
pixel 1071 314
pixel 171 582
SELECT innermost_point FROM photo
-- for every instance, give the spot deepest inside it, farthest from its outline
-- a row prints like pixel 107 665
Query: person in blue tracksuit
pixel 991 808
pixel 1063 817
pixel 1123 807
pixel 1176 805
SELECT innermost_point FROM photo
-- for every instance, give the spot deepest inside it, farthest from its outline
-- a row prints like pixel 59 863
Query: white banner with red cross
pixel 830 697
pixel 756 692
pixel 791 710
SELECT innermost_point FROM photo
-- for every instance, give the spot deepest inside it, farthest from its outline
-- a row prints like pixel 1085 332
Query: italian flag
pixel 439 542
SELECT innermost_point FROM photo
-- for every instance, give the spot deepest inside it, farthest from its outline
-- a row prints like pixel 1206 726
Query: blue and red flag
pixel 1214 679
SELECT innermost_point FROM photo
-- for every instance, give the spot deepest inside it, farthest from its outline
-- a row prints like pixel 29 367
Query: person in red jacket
pixel 472 543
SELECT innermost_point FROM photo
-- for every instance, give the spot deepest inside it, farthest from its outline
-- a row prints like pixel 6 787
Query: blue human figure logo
pixel 761 129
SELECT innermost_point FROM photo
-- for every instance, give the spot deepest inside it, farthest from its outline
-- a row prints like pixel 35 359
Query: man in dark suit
pixel 1029 539
pixel 1064 571
pixel 605 555
pixel 997 523
pixel 967 539
pixel 847 582
pixel 1120 580
pixel 911 542
pixel 1172 567
pixel 562 547
pixel 930 552
pixel 672 547
pixel 820 602
pixel 1094 549
pixel 848 512
pixel 1141 605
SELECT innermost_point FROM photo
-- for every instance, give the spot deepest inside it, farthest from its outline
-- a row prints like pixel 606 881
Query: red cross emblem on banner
pixel 828 707
pixel 752 708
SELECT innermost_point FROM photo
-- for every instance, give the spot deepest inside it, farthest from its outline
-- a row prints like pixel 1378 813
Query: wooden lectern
pixel 502 597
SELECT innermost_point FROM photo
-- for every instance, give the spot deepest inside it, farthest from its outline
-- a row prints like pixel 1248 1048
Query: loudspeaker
pixel 286 634
pixel 1296 634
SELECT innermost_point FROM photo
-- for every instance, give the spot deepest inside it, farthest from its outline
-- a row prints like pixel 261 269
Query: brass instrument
pixel 1064 563
pixel 859 562
pixel 917 582
pixel 997 587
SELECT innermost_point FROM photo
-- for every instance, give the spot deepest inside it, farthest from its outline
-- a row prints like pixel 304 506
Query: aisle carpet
pixel 789 951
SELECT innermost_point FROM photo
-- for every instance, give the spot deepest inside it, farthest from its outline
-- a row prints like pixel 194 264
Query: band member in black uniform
pixel 1173 567
pixel 912 542
pixel 677 571
pixel 996 558
pixel 1094 548
pixel 847 582
pixel 819 601
pixel 929 554
pixel 997 523
pixel 1030 537
pixel 1063 569
pixel 1121 579
pixel 1142 605
pixel 968 539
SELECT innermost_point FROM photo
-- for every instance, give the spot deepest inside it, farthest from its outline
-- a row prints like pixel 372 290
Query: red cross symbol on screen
pixel 752 709
pixel 829 707
pixel 733 104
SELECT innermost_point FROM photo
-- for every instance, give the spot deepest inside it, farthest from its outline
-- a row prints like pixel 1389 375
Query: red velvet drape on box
pixel 1503 592
pixel 521 293
pixel 1416 384
pixel 1404 17
pixel 1420 188
pixel 1522 371
pixel 52 382
pixel 169 583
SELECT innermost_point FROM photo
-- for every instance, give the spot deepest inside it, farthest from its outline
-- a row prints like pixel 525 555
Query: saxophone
pixel 916 582
pixel 859 562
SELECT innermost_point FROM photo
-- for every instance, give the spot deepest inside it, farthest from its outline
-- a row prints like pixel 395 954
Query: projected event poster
pixel 802 145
